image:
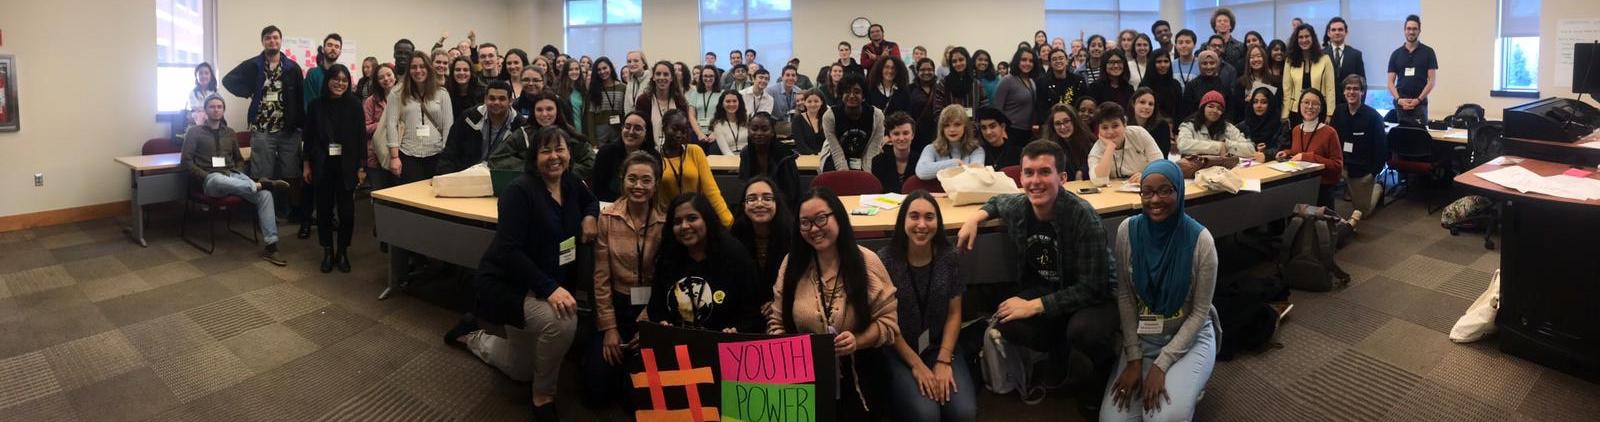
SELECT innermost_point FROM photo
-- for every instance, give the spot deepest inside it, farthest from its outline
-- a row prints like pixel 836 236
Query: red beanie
pixel 1212 97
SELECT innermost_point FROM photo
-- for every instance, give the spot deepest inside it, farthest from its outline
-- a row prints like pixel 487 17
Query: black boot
pixel 327 260
pixel 344 259
pixel 305 229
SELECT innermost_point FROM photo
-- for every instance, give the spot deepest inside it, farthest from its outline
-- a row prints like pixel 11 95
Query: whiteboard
pixel 1569 32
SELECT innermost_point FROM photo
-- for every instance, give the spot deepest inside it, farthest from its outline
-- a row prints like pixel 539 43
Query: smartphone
pixel 1088 190
pixel 867 211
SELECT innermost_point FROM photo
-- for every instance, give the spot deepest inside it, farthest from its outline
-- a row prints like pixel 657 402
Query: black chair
pixel 1467 116
pixel 1484 144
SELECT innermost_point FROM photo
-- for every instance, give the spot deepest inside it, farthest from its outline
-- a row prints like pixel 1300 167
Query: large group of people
pixel 668 249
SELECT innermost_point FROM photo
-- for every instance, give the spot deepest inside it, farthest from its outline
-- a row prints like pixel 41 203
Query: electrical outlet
pixel 38 179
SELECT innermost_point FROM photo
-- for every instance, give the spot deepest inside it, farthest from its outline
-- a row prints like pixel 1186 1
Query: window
pixel 607 28
pixel 761 25
pixel 1516 51
pixel 182 41
pixel 1064 18
pixel 1375 28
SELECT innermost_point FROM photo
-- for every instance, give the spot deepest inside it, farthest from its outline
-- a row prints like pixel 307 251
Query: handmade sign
pixel 732 377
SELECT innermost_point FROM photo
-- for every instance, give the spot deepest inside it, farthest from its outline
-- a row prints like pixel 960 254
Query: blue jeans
pixel 908 404
pixel 223 184
pixel 1186 378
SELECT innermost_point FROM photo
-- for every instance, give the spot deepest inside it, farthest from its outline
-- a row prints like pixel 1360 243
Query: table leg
pixel 397 271
pixel 136 226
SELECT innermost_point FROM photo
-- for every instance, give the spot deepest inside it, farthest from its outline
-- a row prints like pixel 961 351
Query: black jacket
pixel 1350 64
pixel 782 170
pixel 1363 137
pixel 464 146
pixel 883 169
pixel 336 121
pixel 524 256
pixel 1054 91
pixel 1006 155
pixel 807 139
pixel 728 272
pixel 1102 91
pixel 606 180
pixel 1265 130
pixel 245 81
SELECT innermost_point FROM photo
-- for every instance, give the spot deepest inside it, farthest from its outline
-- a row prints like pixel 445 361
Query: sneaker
pixel 1282 309
pixel 467 325
pixel 270 254
pixel 274 185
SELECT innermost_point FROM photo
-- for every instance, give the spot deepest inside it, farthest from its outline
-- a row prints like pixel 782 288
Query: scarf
pixel 1163 252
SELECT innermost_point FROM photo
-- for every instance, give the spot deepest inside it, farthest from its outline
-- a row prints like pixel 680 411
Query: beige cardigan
pixel 1322 80
pixel 883 328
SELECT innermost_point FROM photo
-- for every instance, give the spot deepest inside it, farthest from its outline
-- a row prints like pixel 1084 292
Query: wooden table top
pixel 730 163
pixel 1540 167
pixel 160 161
pixel 1108 201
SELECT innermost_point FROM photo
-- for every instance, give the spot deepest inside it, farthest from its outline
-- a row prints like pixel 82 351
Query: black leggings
pixel 414 169
pixel 331 195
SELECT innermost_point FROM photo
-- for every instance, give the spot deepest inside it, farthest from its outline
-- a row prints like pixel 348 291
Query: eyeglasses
pixel 818 222
pixel 766 197
pixel 1164 193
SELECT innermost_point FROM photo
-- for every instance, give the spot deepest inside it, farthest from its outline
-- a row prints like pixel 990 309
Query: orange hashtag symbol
pixel 686 376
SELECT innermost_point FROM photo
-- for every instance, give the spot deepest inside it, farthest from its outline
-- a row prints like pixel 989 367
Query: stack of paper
pixel 1288 166
pixel 886 201
pixel 1561 185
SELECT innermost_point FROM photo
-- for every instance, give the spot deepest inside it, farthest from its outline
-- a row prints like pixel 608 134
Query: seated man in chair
pixel 211 156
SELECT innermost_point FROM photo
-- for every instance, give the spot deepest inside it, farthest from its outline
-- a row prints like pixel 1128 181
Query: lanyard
pixel 1183 76
pixel 733 130
pixel 682 157
pixel 823 298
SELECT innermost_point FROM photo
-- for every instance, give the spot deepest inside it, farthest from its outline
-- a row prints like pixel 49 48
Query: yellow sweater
pixel 690 172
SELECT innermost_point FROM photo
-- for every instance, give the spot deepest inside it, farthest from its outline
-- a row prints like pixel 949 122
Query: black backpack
pixel 1309 241
pixel 1245 312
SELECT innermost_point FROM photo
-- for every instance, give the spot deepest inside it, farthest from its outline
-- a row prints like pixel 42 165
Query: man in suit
pixel 1346 59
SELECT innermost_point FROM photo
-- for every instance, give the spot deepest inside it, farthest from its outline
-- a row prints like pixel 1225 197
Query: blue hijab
pixel 1163 252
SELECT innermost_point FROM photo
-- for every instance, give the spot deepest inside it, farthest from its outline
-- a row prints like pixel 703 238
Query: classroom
pixel 799 210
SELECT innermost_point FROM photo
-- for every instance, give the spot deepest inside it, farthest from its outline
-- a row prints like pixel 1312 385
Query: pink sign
pixel 779 361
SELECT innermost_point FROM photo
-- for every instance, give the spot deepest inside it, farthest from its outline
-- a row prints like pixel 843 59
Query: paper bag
pixel 974 184
pixel 1478 322
pixel 1219 178
pixel 474 182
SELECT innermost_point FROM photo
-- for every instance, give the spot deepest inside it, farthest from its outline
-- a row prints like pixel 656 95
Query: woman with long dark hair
pixel 605 103
pixel 664 95
pixel 704 278
pixel 831 285
pixel 1113 85
pixel 1067 130
pixel 704 98
pixel 1277 55
pixel 1147 114
pixel 1016 94
pixel 415 123
pixel 465 90
pixel 805 125
pixel 1207 131
pixel 1307 68
pixel 546 113
pixel 730 129
pixel 383 83
pixel 928 377
pixel 1255 75
pixel 765 225
pixel 1261 123
pixel 570 85
pixel 1159 79
pixel 1315 141
pixel 961 86
pixel 983 71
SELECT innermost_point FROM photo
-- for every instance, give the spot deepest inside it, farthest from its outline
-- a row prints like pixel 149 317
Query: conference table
pixel 458 230
pixel 1450 135
pixel 155 179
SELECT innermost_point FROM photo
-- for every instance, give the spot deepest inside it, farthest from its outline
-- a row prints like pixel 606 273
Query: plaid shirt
pixel 1085 257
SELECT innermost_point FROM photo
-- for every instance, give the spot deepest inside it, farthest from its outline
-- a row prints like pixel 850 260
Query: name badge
pixel 218 162
pixel 335 150
pixel 569 250
pixel 1150 324
pixel 639 296
pixel 969 112
pixel 854 163
pixel 273 97
pixel 616 120
pixel 1411 71
pixel 1349 147
pixel 423 130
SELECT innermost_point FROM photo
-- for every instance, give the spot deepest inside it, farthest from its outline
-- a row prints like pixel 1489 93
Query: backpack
pixel 1244 309
pixel 1466 213
pixel 1309 241
pixel 1006 366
